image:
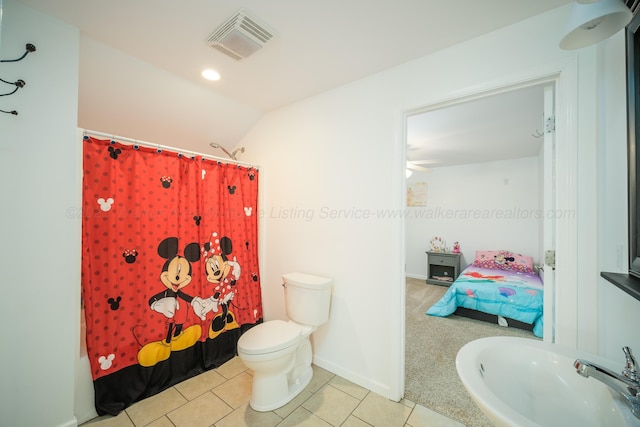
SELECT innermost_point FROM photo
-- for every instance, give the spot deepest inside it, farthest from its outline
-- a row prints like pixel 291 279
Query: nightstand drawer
pixel 442 260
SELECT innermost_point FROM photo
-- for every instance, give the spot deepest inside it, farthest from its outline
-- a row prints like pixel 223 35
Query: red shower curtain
pixel 170 275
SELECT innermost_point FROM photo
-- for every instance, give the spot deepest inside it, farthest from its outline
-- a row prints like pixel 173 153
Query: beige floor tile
pixel 332 405
pixel 244 416
pixel 237 391
pixel 382 412
pixel 349 387
pixel 154 407
pixel 423 417
pixel 200 384
pixel 203 411
pixel 407 402
pixel 212 400
pixel 161 422
pixel 232 368
pixel 319 379
pixel 303 418
pixel 354 422
pixel 285 410
pixel 120 420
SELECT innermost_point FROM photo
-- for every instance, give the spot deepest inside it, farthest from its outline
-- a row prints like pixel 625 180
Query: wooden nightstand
pixel 442 268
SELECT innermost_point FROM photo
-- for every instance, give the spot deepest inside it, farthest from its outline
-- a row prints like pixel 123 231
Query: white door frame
pixel 565 77
pixel 549 212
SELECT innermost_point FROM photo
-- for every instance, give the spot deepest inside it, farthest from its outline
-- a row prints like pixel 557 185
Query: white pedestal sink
pixel 529 383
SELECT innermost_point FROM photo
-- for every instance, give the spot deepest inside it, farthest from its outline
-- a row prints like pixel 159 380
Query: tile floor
pixel 220 398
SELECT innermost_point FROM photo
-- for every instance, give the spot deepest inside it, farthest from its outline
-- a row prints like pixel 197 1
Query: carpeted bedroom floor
pixel 430 351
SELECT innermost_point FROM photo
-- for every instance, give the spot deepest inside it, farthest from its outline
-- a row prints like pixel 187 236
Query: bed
pixel 498 286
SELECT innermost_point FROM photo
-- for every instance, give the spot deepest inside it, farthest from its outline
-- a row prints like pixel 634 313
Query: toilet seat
pixel 269 337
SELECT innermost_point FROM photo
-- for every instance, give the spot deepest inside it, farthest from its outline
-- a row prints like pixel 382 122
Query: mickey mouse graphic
pixel 176 274
pixel 223 274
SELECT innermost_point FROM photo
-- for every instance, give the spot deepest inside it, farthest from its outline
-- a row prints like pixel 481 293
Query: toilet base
pixel 271 393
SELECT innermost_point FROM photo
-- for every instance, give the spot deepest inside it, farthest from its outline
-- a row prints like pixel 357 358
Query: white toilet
pixel 279 352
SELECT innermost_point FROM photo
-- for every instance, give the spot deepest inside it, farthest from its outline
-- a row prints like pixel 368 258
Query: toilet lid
pixel 268 337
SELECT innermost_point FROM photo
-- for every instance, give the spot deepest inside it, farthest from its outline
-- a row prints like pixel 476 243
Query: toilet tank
pixel 307 298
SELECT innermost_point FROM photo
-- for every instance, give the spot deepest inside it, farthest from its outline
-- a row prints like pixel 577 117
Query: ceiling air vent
pixel 240 36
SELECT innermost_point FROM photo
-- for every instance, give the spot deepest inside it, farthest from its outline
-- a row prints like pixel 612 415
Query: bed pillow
pixel 504 260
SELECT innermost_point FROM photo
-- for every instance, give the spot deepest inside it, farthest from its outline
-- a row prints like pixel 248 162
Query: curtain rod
pixel 166 147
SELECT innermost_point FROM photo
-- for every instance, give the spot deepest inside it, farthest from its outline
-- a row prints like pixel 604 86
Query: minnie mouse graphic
pixel 223 273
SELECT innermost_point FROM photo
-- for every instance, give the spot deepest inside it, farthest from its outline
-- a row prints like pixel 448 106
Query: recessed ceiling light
pixel 210 74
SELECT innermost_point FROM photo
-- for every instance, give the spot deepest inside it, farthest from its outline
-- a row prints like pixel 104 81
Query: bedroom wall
pixel 39 163
pixel 483 206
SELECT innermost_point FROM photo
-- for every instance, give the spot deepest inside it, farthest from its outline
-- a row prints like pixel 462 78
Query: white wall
pixel 40 251
pixel 343 150
pixel 483 206
pixel 618 313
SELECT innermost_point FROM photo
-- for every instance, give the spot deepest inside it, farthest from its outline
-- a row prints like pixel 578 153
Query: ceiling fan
pixel 417 165
pixel 415 160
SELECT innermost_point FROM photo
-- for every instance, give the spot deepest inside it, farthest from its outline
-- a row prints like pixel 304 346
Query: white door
pixel 548 211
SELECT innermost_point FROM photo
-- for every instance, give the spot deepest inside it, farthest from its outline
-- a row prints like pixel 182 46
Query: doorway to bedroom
pixel 479 175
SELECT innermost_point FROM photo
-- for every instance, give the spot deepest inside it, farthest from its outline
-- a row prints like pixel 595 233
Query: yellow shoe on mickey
pixel 153 353
pixel 187 338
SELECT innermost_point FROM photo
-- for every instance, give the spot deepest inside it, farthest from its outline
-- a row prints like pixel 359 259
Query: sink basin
pixel 526 382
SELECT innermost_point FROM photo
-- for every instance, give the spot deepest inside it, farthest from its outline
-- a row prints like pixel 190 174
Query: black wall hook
pixel 29 47
pixel 18 83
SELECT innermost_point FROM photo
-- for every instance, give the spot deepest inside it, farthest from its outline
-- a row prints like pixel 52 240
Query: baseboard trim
pixel 71 423
pixel 367 383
